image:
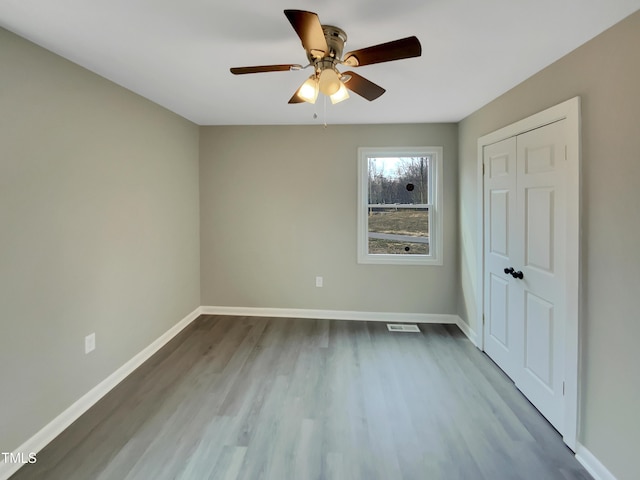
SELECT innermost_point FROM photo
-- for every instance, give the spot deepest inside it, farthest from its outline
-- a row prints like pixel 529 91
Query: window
pixel 400 205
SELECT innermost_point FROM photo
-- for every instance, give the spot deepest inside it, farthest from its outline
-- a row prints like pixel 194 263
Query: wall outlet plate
pixel 90 343
pixel 319 281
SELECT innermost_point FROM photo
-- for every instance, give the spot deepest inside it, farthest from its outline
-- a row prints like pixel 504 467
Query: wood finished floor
pixel 270 398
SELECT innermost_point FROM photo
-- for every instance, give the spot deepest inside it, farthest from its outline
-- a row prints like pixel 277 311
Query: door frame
pixel 569 111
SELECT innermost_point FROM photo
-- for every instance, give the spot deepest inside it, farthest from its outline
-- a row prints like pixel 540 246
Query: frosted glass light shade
pixel 340 95
pixel 329 82
pixel 309 90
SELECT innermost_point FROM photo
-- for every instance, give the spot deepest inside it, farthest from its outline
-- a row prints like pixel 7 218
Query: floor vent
pixel 402 327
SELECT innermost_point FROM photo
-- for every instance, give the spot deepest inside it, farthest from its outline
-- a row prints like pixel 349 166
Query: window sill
pixel 381 259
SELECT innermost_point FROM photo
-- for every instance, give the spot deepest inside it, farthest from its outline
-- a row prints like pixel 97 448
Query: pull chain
pixel 325 110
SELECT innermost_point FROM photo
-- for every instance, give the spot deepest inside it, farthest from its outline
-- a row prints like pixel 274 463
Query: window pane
pixel 399 180
pixel 395 230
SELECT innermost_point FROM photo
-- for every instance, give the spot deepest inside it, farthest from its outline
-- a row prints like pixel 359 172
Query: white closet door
pixel 500 230
pixel 541 233
pixel 525 209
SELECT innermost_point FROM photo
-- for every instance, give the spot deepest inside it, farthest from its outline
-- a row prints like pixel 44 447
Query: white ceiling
pixel 177 53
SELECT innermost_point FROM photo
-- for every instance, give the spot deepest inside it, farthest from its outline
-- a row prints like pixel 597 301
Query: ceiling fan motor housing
pixel 336 38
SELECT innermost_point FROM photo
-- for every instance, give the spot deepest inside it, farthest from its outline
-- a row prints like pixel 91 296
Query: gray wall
pixel 605 72
pixel 99 231
pixel 278 207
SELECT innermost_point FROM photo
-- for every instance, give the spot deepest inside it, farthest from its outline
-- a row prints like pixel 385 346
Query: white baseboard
pixel 467 330
pixel 71 414
pixel 333 314
pixel 588 460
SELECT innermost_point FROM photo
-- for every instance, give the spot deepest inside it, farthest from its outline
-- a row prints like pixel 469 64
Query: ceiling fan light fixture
pixel 323 45
pixel 309 90
pixel 340 95
pixel 329 82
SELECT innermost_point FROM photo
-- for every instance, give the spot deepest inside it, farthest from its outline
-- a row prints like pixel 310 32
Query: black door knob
pixel 511 271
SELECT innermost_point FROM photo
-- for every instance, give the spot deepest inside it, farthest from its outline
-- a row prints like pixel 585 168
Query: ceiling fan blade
pixel 385 52
pixel 363 87
pixel 307 26
pixel 265 68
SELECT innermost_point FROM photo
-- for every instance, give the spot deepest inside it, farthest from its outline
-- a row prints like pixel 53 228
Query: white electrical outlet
pixel 318 281
pixel 90 343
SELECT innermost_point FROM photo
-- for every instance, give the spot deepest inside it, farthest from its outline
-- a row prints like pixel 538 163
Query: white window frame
pixel 435 206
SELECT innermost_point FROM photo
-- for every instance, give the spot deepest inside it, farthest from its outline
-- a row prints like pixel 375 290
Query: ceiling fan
pixel 323 45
